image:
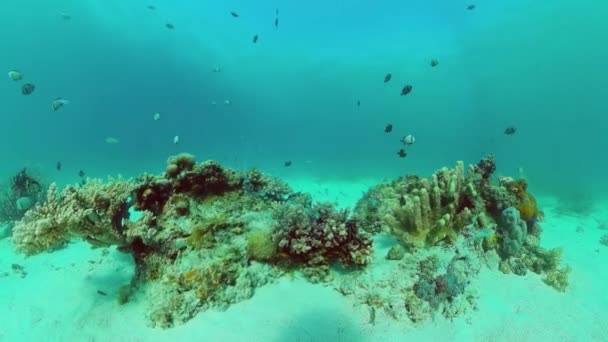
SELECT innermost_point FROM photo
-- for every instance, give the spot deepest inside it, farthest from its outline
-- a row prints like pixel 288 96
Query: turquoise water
pixel 536 66
pixel 294 94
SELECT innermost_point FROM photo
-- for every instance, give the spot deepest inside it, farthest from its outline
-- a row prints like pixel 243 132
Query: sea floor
pixel 70 295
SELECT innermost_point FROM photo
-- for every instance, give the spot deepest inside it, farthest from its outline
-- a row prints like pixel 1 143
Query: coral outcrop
pixel 200 235
pixel 204 236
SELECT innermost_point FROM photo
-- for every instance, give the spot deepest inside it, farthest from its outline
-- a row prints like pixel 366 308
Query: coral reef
pixel 200 235
pixel 316 234
pixel 204 236
pixel 23 190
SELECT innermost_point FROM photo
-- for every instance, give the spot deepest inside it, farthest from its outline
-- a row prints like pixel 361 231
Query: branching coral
pixel 93 211
pixel 315 234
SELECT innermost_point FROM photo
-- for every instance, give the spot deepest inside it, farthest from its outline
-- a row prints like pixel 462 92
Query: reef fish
pixel 276 22
pixel 27 89
pixel 58 102
pixel 388 77
pixel 471 7
pixel 388 128
pixel 401 153
pixel 81 173
pixel 169 26
pixel 58 166
pixel 234 14
pixel 255 39
pixel 434 63
pixel 510 130
pixel 287 163
pixel 408 139
pixel 15 75
pixel 406 89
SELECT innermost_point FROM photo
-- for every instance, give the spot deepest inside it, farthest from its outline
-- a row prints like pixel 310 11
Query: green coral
pixel 558 279
pixel 261 246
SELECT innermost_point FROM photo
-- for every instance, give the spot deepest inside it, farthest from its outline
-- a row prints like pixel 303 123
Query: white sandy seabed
pixel 58 299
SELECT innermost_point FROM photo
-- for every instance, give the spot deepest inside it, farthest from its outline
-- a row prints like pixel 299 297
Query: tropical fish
pixel 388 77
pixel 15 75
pixel 58 102
pixel 27 89
pixel 406 89
pixel 388 128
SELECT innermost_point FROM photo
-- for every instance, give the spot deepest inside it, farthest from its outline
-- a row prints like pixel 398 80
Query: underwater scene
pixel 282 170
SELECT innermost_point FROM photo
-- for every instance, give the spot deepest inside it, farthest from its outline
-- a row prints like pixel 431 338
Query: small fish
pixel 255 39
pixel 227 102
pixel 156 116
pixel 276 22
pixel 81 173
pixel 510 130
pixel 406 90
pixel 176 139
pixel 358 103
pixel 27 89
pixel 151 7
pixel 217 69
pixel 213 102
pixel 111 140
pixel 471 7
pixel 287 163
pixel 408 139
pixel 434 63
pixel 388 128
pixel 58 102
pixel 15 75
pixel 234 14
pixel 169 26
pixel 388 77
pixel 276 12
pixel 65 16
pixel 401 153
pixel 58 166
pixel 101 293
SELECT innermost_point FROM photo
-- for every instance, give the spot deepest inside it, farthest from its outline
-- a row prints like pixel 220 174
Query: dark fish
pixel 151 7
pixel 27 89
pixel 388 77
pixel 510 130
pixel 358 103
pixel 434 62
pixel 81 173
pixel 58 167
pixel 276 22
pixel 234 14
pixel 402 153
pixel 169 26
pixel 402 201
pixel 255 39
pixel 406 90
pixel 101 293
pixel 471 7
pixel 388 128
pixel 288 163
